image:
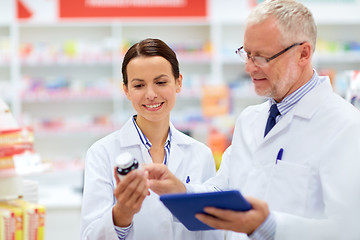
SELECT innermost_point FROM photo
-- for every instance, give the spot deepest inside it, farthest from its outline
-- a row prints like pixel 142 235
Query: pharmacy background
pixel 61 88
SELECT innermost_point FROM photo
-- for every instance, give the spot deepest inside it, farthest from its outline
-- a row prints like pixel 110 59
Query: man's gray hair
pixel 295 21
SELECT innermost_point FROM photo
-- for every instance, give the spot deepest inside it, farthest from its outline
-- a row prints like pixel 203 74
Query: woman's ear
pixel 179 83
pixel 126 91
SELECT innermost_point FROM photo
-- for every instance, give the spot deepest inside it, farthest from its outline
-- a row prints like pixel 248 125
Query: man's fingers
pixel 212 221
pixel 221 213
pixel 259 205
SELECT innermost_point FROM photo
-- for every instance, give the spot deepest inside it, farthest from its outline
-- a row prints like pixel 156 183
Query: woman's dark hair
pixel 148 48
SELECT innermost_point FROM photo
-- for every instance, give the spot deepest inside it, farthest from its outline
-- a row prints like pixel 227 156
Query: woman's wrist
pixel 120 219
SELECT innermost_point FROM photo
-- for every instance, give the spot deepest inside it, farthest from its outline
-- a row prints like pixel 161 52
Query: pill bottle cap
pixel 124 160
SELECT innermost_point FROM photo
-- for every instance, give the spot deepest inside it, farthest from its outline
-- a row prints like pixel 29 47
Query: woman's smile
pixel 153 107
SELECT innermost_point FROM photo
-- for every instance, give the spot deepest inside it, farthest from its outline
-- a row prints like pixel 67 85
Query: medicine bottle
pixel 125 162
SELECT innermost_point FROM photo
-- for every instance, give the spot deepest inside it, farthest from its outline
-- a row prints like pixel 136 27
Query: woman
pixel 114 209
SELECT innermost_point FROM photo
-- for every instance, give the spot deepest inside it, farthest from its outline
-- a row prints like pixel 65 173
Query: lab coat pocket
pixel 288 188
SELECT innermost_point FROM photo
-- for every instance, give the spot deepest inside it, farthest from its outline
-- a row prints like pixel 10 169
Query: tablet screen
pixel 184 206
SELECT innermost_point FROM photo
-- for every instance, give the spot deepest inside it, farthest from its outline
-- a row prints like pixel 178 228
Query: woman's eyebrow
pixel 136 79
pixel 160 76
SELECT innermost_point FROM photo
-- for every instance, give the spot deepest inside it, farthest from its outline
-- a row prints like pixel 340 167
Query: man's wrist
pixel 266 231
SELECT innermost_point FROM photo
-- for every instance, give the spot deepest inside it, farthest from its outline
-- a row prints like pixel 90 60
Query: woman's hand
pixel 130 193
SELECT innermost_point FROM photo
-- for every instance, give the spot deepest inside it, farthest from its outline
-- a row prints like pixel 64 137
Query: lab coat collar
pixel 128 137
pixel 305 108
pixel 308 105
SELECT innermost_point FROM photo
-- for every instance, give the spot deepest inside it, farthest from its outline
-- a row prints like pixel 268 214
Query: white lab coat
pixel 318 179
pixel 188 157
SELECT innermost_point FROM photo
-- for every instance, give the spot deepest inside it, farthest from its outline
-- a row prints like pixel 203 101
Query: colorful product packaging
pixel 32 216
pixel 11 222
pixel 14 142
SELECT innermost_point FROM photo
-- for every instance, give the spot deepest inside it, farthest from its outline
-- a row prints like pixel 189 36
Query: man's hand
pixel 244 222
pixel 161 180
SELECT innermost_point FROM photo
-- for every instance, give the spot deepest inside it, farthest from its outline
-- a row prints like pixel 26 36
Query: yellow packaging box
pixel 6 222
pixel 33 219
pixel 11 222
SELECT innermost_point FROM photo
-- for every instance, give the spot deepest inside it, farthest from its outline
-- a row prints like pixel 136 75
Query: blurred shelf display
pixel 69 131
pixel 5 46
pixel 338 58
pixel 18 197
pixel 63 78
pixel 6 64
pixel 21 219
pixel 17 158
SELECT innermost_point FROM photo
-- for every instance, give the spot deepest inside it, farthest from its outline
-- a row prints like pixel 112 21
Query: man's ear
pixel 305 53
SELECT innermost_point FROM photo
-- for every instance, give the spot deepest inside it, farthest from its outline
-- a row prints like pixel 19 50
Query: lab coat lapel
pixel 305 108
pixel 176 152
pixel 129 136
pixel 176 158
pixel 281 125
pixel 259 123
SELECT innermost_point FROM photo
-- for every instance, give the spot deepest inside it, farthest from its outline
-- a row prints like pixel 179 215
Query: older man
pixel 296 156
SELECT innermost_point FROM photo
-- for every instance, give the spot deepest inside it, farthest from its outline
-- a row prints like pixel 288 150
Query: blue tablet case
pixel 185 206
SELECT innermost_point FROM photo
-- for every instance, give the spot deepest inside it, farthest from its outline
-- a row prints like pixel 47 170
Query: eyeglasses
pixel 261 61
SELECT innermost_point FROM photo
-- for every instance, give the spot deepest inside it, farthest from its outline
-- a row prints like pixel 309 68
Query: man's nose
pixel 250 66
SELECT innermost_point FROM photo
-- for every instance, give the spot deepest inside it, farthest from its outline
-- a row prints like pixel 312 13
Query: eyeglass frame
pixel 238 52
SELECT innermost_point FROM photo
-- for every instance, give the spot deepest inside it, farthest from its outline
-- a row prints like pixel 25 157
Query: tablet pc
pixel 184 206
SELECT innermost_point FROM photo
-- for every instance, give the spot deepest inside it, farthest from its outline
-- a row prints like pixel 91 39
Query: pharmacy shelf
pixel 67 96
pixel 23 172
pixel 352 57
pixel 73 69
pixel 60 61
pixel 70 131
pixel 11 180
pixel 5 63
